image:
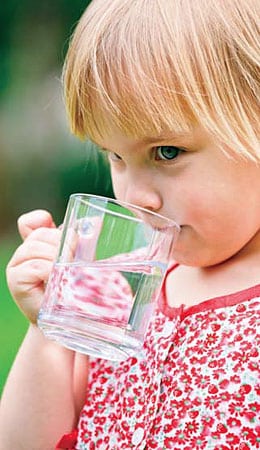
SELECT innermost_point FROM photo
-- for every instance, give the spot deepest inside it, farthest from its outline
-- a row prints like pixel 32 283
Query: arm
pixel 37 406
pixel 46 385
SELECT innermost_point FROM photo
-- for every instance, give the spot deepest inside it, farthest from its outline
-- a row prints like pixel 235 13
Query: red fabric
pixel 223 301
pixel 195 385
pixel 68 441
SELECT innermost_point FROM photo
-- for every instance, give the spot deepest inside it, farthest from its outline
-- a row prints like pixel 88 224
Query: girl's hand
pixel 30 266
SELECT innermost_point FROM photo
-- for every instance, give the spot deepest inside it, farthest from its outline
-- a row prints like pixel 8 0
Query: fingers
pixel 33 220
pixel 27 284
pixel 28 277
pixel 40 244
pixel 31 264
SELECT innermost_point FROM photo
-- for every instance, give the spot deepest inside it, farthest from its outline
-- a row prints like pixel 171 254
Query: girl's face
pixel 214 198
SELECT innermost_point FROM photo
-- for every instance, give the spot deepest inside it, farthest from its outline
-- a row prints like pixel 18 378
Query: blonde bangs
pixel 156 66
pixel 121 82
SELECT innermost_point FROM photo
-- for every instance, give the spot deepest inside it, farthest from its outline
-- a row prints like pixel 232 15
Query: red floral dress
pixel 196 384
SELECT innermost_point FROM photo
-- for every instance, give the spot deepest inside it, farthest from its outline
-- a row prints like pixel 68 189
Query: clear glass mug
pixel 105 282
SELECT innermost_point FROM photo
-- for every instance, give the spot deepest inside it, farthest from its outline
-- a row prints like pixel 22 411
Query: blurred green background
pixel 41 164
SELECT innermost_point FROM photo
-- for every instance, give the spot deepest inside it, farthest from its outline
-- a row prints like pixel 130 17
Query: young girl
pixel 170 90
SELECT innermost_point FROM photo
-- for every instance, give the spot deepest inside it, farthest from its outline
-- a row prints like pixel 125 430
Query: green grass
pixel 12 323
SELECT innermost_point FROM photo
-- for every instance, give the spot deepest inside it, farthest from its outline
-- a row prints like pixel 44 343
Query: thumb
pixel 35 219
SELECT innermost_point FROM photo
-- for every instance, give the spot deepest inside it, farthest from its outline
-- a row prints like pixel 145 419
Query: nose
pixel 143 192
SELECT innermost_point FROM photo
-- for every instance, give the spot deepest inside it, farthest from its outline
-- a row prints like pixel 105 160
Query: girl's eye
pixel 114 157
pixel 167 152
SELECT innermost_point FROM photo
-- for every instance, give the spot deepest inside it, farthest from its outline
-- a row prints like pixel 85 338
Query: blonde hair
pixel 155 66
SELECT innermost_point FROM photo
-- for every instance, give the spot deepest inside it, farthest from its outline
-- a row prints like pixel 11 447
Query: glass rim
pixel 84 196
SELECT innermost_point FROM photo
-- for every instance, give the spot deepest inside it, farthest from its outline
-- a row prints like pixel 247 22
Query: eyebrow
pixel 157 139
pixel 174 137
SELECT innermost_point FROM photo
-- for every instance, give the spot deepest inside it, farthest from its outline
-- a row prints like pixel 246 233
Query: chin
pixel 191 251
pixel 192 259
pixel 180 258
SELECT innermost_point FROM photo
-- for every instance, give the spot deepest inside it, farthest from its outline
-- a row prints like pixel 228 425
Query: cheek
pixel 201 203
pixel 214 213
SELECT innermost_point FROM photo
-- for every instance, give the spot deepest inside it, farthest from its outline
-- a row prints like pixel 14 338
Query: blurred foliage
pixel 12 323
pixel 34 34
pixel 41 164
